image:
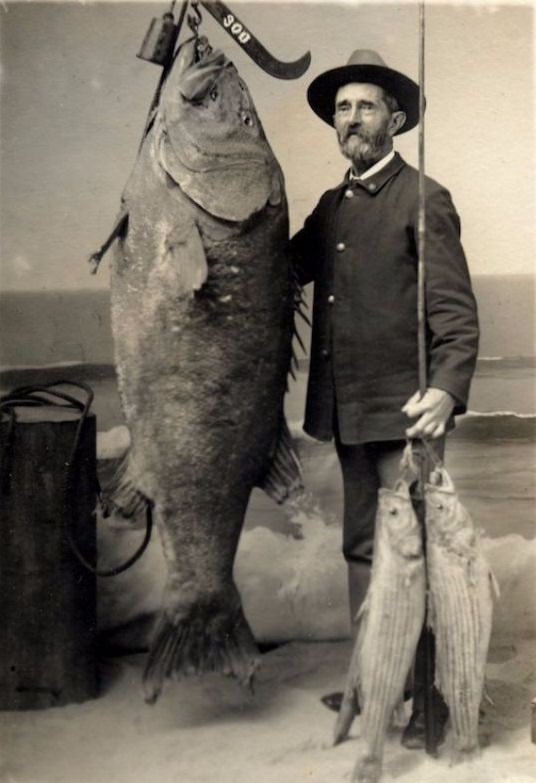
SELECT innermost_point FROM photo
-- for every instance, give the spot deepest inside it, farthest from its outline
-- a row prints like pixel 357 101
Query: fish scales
pixel 391 622
pixel 461 605
pixel 202 317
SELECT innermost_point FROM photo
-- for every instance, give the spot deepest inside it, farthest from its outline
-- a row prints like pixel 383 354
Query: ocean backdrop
pixel 44 328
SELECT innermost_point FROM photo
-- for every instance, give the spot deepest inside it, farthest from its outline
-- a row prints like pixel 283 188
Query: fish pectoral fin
pixel 118 232
pixel 349 709
pixel 186 254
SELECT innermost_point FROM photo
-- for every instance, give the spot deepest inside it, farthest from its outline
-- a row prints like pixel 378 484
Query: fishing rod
pixel 427 639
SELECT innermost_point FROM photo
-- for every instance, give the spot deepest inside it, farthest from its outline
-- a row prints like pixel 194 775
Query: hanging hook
pixel 195 18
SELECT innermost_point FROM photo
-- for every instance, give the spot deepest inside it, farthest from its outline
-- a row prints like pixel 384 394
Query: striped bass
pixel 460 606
pixel 391 623
pixel 202 315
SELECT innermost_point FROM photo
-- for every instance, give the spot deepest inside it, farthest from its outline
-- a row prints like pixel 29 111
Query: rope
pixel 35 396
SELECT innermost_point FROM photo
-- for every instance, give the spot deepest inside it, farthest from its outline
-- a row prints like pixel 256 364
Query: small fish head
pixel 398 519
pixel 445 515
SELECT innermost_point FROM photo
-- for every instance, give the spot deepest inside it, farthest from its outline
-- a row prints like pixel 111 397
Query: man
pixel 360 247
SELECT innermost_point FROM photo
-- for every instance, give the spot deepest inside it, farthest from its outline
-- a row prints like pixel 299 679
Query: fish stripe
pixel 390 628
pixel 461 610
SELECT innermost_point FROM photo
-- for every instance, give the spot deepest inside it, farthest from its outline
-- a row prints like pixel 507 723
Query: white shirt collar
pixel 374 169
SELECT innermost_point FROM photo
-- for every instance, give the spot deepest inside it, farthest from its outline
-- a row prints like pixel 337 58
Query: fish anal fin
pixel 209 636
pixel 283 478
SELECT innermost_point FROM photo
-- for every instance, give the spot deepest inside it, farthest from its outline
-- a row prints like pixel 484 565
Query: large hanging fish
pixel 391 623
pixel 202 316
pixel 461 606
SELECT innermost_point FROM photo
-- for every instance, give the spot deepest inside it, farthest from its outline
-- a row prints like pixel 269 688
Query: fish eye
pixel 214 94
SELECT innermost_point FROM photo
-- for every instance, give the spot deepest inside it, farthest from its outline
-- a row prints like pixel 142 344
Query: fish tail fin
pixel 368 769
pixel 212 636
pixel 283 478
pixel 121 495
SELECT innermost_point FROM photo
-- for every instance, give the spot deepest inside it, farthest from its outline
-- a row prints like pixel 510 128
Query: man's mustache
pixel 355 132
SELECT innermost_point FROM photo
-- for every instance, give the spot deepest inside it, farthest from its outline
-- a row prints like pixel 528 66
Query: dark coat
pixel 361 252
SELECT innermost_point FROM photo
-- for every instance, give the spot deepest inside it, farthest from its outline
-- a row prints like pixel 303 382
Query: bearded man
pixel 360 248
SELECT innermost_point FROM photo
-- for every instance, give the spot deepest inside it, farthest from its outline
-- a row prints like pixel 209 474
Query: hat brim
pixel 322 90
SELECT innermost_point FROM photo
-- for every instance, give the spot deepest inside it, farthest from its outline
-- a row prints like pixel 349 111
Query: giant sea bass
pixel 202 315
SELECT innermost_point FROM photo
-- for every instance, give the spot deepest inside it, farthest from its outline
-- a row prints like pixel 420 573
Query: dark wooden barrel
pixel 47 598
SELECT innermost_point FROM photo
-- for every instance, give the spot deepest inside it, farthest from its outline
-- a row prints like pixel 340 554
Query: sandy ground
pixel 212 731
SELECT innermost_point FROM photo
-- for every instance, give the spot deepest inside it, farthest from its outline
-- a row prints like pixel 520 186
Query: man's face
pixel 364 123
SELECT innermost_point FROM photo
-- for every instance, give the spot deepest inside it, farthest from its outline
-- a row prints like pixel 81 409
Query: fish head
pixel 209 137
pixel 447 519
pixel 397 517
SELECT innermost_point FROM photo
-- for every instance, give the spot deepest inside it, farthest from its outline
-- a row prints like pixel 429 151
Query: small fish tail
pixel 368 769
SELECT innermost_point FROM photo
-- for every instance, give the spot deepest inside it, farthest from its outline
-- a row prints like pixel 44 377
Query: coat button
pixel 340 247
pixel 331 299
pixel 349 193
pixel 324 353
pixel 372 187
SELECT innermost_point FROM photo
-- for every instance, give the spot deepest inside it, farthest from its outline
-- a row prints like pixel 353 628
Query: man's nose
pixel 355 115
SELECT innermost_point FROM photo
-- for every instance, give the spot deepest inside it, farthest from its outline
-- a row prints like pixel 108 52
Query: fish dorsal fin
pixel 232 189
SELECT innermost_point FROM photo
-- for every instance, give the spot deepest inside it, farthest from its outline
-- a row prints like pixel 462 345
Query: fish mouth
pixel 195 73
pixel 199 65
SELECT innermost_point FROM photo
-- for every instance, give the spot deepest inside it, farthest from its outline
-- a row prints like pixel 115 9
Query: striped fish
pixel 391 623
pixel 460 606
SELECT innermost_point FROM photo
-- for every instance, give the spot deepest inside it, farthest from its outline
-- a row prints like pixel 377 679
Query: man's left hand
pixel 434 410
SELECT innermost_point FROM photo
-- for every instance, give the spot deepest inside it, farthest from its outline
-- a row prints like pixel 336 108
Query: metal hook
pixel 195 19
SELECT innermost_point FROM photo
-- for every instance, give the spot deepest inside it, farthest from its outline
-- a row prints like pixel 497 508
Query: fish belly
pixel 461 616
pixel 202 380
pixel 391 624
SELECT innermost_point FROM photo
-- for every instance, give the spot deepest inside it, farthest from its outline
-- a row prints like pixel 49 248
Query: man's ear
pixel 398 119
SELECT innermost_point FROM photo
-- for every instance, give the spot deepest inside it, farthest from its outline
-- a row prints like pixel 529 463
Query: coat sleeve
pixel 304 246
pixel 451 310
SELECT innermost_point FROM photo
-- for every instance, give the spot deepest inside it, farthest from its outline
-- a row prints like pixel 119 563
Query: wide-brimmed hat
pixel 368 67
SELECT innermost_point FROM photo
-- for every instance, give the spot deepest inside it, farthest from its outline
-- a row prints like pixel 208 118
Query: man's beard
pixel 363 147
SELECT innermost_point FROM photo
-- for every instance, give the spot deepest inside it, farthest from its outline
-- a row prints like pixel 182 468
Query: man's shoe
pixel 333 701
pixel 414 735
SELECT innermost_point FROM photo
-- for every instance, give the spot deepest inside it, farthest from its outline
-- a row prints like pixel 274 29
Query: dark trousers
pixel 365 468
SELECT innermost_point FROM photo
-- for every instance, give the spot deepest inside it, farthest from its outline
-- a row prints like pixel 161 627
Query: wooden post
pixel 48 599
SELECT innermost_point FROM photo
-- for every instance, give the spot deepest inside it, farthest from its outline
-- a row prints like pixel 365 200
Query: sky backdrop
pixel 74 100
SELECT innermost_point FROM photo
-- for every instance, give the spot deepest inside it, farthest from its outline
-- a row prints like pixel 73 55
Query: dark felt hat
pixel 368 67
